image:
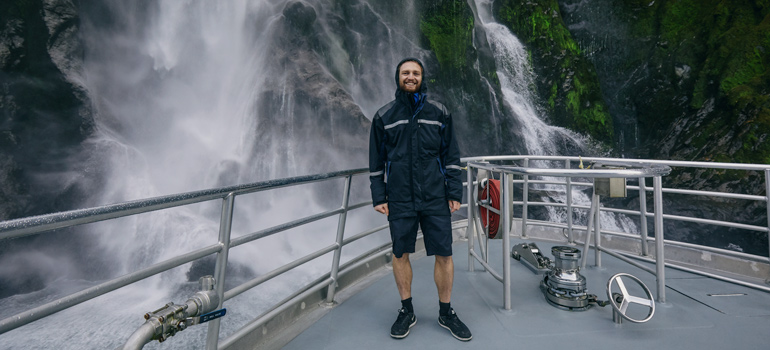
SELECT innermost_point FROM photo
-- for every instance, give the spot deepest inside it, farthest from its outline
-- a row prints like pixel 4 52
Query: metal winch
pixel 563 286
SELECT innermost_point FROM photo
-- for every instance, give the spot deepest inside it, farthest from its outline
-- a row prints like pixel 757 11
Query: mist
pixel 191 95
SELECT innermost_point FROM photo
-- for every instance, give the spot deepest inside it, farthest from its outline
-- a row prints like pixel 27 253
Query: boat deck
pixel 736 318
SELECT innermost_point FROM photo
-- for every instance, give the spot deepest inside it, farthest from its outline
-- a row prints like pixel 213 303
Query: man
pixel 415 180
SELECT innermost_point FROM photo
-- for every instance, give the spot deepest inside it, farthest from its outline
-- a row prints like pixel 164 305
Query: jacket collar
pixel 408 99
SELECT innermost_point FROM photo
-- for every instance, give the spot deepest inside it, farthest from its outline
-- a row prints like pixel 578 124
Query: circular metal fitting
pixel 566 258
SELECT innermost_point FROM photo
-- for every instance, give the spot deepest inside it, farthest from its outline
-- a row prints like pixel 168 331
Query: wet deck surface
pixel 734 317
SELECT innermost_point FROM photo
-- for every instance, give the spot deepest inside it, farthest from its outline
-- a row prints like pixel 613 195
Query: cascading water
pixel 194 95
pixel 517 81
pixel 190 95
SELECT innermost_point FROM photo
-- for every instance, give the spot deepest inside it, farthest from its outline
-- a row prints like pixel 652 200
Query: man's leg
pixel 402 271
pixel 443 274
pixel 403 232
pixel 437 231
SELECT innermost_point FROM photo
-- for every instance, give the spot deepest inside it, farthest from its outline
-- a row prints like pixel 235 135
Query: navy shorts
pixel 436 230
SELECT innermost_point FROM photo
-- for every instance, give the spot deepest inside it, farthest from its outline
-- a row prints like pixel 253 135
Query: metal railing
pixel 40 224
pixel 568 176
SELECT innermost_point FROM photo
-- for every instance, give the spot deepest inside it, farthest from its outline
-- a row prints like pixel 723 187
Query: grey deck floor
pixel 690 319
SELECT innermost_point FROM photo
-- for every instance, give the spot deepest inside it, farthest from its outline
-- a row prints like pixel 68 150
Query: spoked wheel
pixel 621 301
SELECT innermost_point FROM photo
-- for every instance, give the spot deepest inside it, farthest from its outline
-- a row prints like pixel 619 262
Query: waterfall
pixel 189 95
pixel 517 81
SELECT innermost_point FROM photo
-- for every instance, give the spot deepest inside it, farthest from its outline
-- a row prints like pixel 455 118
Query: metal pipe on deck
pixel 171 318
pixel 488 268
pixel 140 337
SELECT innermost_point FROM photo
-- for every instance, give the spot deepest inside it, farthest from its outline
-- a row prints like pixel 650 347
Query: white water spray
pixel 177 91
pixel 517 81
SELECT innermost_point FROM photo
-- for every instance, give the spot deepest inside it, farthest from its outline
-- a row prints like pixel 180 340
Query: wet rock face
pixel 303 111
pixel 43 113
pixel 10 42
pixel 679 77
pixel 64 47
pixel 300 16
pixel 44 118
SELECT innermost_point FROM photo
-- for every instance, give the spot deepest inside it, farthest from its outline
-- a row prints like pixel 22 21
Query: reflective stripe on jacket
pixel 414 161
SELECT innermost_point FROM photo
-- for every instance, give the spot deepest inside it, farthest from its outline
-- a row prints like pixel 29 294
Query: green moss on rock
pixel 448 26
pixel 567 81
pixel 725 115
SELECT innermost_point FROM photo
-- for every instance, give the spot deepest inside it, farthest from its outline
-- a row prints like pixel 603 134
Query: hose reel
pixel 489 194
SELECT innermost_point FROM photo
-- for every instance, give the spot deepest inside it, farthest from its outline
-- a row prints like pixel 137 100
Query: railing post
pixel 660 261
pixel 340 236
pixel 505 210
pixel 470 230
pixel 485 241
pixel 225 226
pixel 589 227
pixel 570 236
pixel 509 186
pixel 643 211
pixel 767 196
pixel 597 230
pixel 524 205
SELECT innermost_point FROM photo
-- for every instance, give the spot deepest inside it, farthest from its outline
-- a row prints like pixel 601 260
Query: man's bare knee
pixel 443 259
pixel 404 258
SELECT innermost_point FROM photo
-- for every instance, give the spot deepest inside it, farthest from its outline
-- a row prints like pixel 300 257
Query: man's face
pixel 410 77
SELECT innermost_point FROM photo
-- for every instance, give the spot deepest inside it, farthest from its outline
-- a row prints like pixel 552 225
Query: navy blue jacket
pixel 414 161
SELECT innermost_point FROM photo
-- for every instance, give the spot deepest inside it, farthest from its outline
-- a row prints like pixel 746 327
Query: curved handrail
pixel 640 170
pixel 599 168
pixel 36 224
pixel 671 163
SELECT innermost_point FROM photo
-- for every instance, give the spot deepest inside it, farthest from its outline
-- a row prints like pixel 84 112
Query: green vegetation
pixel 448 26
pixel 463 77
pixel 594 119
pixel 570 87
pixel 680 17
pixel 727 44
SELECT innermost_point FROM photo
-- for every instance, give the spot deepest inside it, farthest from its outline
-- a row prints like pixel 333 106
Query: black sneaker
pixel 405 320
pixel 455 326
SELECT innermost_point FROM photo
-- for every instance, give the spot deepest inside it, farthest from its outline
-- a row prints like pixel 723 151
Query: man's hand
pixel 383 208
pixel 454 206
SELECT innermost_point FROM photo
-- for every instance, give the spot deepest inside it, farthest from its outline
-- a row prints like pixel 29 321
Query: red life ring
pixel 492 189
